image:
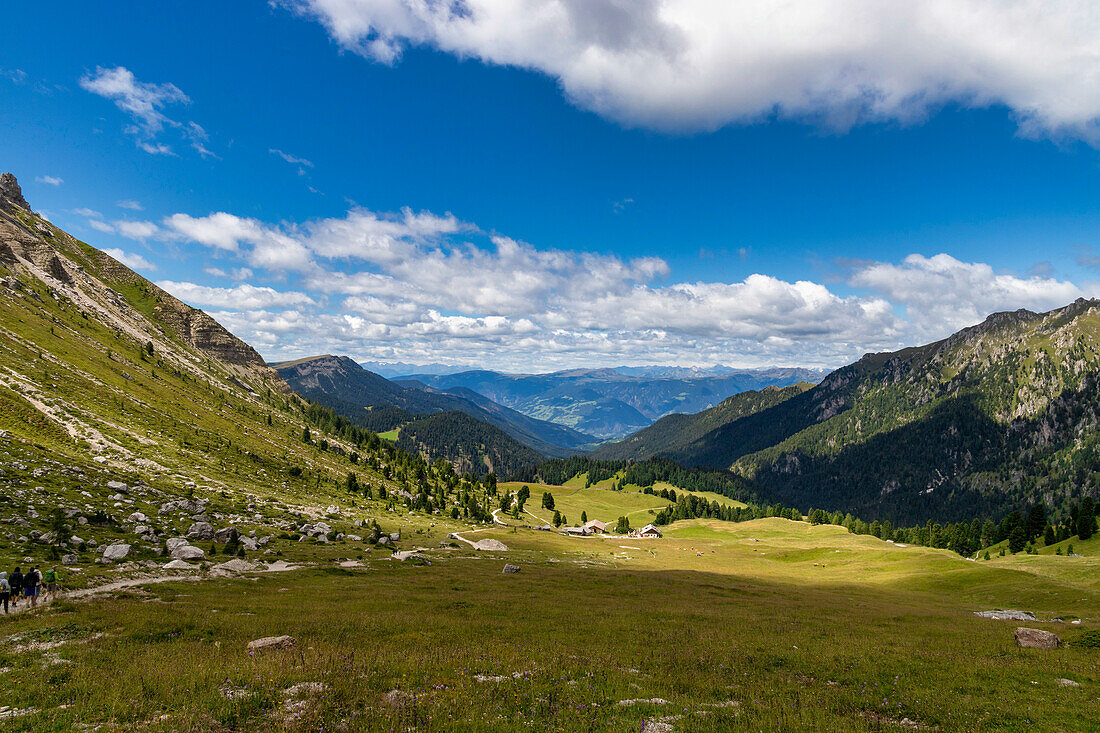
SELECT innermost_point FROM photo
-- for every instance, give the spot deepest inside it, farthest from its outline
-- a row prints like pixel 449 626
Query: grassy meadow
pixel 763 625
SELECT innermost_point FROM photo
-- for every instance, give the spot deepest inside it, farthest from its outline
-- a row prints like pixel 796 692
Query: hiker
pixel 16 582
pixel 30 585
pixel 5 591
pixel 50 582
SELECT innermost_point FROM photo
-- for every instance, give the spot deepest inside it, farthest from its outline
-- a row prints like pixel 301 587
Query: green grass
pixel 601 504
pixel 390 435
pixel 751 636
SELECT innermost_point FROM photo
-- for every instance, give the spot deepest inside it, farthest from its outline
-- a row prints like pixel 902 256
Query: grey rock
pixel 1036 638
pixel 510 569
pixel 178 565
pixel 200 531
pixel 1067 683
pixel 1006 615
pixel 222 535
pixel 187 552
pixel 353 538
pixel 272 643
pixel 173 542
pixel 137 518
pixel 118 486
pixel 70 560
pixel 114 553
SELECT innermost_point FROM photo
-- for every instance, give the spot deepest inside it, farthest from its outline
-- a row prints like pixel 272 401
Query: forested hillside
pixel 677 430
pixel 992 418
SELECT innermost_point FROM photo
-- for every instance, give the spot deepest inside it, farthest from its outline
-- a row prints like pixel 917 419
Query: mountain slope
pixel 674 431
pixel 997 415
pixel 348 388
pixel 606 402
pixel 470 445
pixel 106 378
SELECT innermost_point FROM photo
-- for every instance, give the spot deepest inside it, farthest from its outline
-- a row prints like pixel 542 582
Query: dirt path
pixel 82 593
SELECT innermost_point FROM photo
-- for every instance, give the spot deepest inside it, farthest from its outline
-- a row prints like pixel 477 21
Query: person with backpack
pixel 5 591
pixel 50 583
pixel 30 585
pixel 16 582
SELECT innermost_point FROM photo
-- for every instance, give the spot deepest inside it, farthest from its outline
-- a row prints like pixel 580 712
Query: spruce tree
pixel 1086 518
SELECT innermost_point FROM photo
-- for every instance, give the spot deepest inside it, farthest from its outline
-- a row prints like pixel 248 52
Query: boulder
pixel 200 531
pixel 249 544
pixel 272 643
pixel 173 542
pixel 236 565
pixel 384 541
pixel 1036 638
pixel 395 536
pixel 70 560
pixel 353 538
pixel 331 509
pixel 118 486
pixel 114 553
pixel 491 545
pixel 1063 682
pixel 187 552
pixel 510 569
pixel 222 535
pixel 137 518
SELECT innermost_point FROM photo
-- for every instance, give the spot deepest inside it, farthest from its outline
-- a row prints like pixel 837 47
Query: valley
pixel 193 503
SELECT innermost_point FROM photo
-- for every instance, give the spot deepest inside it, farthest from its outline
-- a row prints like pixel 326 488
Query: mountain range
pixel 375 402
pixel 605 402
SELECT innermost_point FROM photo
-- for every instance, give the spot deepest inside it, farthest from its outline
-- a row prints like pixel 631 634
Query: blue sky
pixel 606 184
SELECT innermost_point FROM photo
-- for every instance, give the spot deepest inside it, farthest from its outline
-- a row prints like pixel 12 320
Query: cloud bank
pixel 419 286
pixel 701 64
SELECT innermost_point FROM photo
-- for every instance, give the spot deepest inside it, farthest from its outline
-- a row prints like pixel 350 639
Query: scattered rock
pixel 272 643
pixel 305 689
pixel 491 545
pixel 70 560
pixel 200 531
pixel 236 565
pixel 1006 615
pixel 1036 638
pixel 647 701
pixel 510 569
pixel 178 565
pixel 114 553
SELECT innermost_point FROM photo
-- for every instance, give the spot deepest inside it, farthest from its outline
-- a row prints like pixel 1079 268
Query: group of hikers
pixel 30 585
